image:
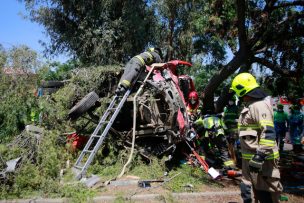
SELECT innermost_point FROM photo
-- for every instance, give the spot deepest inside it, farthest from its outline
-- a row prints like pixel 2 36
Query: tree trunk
pixel 227 70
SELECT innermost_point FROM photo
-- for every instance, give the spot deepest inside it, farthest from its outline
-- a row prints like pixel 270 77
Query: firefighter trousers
pixel 221 143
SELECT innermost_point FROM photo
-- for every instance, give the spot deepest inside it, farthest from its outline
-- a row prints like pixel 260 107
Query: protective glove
pixel 257 161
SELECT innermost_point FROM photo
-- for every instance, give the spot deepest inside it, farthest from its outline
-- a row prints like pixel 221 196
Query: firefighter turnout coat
pixel 137 64
pixel 256 133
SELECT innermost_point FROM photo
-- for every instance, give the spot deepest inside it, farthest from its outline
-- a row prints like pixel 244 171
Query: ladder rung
pixel 106 121
pixel 96 136
pixel 78 167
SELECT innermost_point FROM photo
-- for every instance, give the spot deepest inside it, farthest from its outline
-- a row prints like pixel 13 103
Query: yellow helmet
pixel 243 83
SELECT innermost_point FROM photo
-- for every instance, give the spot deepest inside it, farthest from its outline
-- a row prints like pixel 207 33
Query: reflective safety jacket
pixel 257 133
pixel 211 123
pixel 34 116
pixel 136 65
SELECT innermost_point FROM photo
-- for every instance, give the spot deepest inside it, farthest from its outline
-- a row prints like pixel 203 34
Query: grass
pixel 42 179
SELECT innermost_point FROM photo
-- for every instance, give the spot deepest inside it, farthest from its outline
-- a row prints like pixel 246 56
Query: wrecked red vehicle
pixel 162 120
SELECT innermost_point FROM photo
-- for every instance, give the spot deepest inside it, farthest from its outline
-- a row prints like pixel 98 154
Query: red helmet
pixel 193 96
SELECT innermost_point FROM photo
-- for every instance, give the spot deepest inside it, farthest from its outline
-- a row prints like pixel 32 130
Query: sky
pixel 15 30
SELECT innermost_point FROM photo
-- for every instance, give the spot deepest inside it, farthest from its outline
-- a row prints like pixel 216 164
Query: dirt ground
pixel 226 191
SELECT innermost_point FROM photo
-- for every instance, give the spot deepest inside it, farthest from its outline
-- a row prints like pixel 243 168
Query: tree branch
pixel 220 76
pixel 274 67
pixel 287 4
pixel 277 35
pixel 241 23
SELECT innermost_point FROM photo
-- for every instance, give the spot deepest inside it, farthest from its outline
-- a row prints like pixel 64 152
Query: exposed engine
pixel 159 109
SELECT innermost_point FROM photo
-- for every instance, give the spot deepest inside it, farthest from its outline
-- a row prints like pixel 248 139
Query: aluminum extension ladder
pixel 99 134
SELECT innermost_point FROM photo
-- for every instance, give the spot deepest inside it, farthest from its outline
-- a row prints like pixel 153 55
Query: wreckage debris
pixel 28 141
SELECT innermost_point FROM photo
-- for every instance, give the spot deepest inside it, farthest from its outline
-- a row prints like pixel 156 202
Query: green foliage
pixel 57 71
pixel 17 101
pixel 97 32
pixel 189 175
pixel 17 89
pixel 41 177
pixel 22 57
pixel 3 56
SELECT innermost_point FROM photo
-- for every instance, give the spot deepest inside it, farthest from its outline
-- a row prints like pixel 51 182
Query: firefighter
pixel 211 130
pixel 230 116
pixel 192 105
pixel 258 142
pixel 135 66
pixel 295 127
pixel 280 124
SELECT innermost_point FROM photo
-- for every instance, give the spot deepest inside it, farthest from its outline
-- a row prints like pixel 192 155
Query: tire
pixel 52 83
pixel 83 105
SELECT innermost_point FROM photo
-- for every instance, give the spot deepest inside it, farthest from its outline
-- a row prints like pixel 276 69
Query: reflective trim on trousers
pixel 269 143
pixel 229 163
pixel 275 155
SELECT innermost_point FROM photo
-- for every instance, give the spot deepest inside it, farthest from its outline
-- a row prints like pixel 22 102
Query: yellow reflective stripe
pixel 269 143
pixel 150 59
pixel 248 127
pixel 228 163
pixel 126 82
pixel 267 123
pixel 141 59
pixel 247 156
pixel 273 156
pixel 151 49
pixel 150 55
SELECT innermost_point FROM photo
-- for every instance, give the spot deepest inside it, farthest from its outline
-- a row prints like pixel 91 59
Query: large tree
pixel 16 89
pixel 175 31
pixel 268 33
pixel 95 31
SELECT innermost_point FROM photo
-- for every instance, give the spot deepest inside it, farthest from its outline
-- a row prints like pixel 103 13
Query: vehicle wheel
pixel 83 105
pixel 52 83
